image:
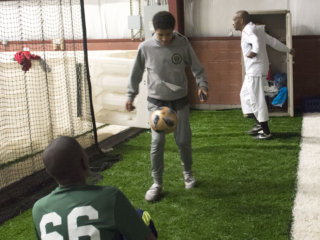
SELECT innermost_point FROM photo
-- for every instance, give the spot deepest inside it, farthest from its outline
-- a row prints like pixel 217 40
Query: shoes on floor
pixel 256 128
pixel 189 180
pixel 263 136
pixel 153 193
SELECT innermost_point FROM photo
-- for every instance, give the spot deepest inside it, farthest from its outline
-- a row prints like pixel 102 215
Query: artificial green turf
pixel 245 187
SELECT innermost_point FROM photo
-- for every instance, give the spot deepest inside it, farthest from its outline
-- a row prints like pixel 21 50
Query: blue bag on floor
pixel 280 99
pixel 280 80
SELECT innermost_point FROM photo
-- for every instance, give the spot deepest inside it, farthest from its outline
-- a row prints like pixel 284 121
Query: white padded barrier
pixel 109 74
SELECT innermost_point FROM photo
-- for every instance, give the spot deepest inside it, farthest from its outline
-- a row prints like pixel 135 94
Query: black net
pixel 43 94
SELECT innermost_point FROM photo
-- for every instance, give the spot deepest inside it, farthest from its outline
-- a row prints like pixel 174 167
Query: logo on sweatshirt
pixel 176 58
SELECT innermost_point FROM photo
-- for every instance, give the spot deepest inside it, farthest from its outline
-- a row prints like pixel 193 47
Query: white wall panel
pixel 37 20
pixel 305 17
pixel 213 18
pixel 108 19
pixel 93 20
pixel 203 18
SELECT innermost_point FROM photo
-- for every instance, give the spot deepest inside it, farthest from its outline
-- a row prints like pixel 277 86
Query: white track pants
pixel 253 99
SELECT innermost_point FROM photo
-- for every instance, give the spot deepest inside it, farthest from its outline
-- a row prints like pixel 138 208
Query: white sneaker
pixel 153 193
pixel 264 136
pixel 189 180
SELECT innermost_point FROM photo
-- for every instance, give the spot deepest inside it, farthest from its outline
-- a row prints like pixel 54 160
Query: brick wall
pixel 113 44
pixel 15 46
pixel 221 58
pixel 93 45
pixel 306 67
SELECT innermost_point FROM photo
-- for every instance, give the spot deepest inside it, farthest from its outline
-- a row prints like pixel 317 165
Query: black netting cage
pixel 45 92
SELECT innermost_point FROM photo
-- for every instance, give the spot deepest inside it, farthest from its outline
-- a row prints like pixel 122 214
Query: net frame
pixel 19 194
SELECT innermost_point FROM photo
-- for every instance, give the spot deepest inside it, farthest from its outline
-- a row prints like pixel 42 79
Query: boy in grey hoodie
pixel 166 55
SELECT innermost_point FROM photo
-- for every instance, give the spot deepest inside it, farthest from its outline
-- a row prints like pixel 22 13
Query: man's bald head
pixel 245 16
pixel 240 20
pixel 65 160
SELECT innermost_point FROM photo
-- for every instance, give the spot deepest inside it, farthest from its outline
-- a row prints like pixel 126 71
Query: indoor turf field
pixel 245 188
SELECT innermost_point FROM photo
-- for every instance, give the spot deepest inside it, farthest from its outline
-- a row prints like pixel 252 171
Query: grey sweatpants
pixel 183 140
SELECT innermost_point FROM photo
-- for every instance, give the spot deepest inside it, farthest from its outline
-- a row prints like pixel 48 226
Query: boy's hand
pixel 203 95
pixel 251 55
pixel 129 106
pixel 292 52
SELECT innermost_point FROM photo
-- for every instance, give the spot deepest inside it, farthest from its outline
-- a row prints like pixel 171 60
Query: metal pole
pixel 85 51
pixel 66 72
pixel 132 37
pixel 45 69
pixel 140 31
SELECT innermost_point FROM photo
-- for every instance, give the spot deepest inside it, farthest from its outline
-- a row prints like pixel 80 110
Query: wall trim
pixel 214 106
pixel 73 41
pixel 138 40
pixel 212 38
pixel 113 40
pixel 306 37
pixel 195 39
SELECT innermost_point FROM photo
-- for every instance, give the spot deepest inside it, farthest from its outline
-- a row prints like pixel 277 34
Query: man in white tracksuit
pixel 253 45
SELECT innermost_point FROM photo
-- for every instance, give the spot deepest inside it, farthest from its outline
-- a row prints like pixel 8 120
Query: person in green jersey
pixel 74 209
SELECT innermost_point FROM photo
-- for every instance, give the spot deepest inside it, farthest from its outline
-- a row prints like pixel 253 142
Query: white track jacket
pixel 255 39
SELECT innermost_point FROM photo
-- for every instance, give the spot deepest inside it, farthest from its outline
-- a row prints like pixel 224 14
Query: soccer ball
pixel 164 120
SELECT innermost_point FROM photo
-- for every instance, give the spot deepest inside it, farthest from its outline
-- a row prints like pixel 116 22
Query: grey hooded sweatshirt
pixel 166 69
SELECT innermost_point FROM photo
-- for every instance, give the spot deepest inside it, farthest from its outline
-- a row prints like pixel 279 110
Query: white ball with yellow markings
pixel 164 120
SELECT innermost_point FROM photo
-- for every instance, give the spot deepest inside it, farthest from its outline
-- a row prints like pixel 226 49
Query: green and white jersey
pixel 91 212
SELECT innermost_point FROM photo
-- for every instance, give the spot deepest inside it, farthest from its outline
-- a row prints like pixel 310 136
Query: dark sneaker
pixel 263 136
pixel 256 128
pixel 249 115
